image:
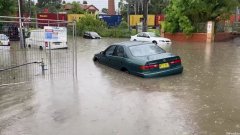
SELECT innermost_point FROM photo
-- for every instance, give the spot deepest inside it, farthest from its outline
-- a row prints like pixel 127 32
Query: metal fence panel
pixel 21 64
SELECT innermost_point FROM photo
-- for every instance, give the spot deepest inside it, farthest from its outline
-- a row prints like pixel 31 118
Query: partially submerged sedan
pixel 151 37
pixel 91 35
pixel 141 59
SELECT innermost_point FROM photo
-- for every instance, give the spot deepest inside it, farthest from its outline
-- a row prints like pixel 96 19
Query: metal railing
pixel 21 64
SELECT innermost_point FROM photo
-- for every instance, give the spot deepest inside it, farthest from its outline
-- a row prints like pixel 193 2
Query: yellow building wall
pixel 135 19
pixel 74 17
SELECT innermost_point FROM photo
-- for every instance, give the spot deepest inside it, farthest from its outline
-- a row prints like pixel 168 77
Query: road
pixel 203 100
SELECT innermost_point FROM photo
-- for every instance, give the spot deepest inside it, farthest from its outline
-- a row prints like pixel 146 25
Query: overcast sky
pixel 98 3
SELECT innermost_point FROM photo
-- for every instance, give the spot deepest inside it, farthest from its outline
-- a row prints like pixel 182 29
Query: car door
pixel 118 58
pixel 107 55
pixel 139 37
pixel 146 37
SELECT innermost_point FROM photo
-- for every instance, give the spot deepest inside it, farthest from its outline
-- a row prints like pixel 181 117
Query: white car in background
pixel 4 40
pixel 152 37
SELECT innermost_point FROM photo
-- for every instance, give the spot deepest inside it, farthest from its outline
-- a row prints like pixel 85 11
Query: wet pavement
pixel 203 100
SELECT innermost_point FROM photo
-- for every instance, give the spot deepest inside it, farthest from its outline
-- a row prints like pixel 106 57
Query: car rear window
pixel 94 34
pixel 145 50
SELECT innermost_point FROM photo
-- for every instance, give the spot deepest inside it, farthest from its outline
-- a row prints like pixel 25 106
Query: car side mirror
pixel 102 52
pixel 148 36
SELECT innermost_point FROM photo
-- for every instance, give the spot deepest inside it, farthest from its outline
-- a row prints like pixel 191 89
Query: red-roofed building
pixel 89 8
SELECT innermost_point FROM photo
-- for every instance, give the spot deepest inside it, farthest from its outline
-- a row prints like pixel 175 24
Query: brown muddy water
pixel 203 100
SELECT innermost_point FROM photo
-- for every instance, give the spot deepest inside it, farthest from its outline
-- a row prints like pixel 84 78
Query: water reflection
pixel 203 100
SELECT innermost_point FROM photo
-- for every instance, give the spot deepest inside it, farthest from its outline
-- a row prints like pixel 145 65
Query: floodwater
pixel 203 100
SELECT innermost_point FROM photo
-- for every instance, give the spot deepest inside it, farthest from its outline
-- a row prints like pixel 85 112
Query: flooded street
pixel 203 100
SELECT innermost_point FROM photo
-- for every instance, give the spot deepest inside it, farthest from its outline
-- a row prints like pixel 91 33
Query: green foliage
pixel 157 6
pixel 51 5
pixel 8 7
pixel 184 15
pixel 123 25
pixel 76 9
pixel 90 23
pixel 105 10
pixel 29 7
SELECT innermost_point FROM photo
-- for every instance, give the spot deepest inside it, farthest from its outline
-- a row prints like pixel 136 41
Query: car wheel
pixel 125 70
pixel 95 59
pixel 40 47
pixel 155 42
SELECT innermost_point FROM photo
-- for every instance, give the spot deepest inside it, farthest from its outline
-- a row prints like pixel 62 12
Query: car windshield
pixel 145 50
pixel 152 34
pixel 94 34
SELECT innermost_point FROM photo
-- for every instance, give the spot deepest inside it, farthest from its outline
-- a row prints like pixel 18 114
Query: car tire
pixel 95 59
pixel 155 42
pixel 125 70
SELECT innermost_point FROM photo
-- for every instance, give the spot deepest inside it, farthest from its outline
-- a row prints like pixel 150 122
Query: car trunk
pixel 160 62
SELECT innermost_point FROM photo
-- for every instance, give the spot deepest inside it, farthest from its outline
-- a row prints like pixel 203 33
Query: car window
pixel 110 50
pixel 145 35
pixel 151 34
pixel 140 35
pixel 94 34
pixel 145 50
pixel 119 51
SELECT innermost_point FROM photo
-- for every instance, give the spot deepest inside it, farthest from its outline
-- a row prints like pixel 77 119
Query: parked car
pixel 12 32
pixel 91 35
pixel 151 37
pixel 140 58
pixel 37 39
pixel 4 40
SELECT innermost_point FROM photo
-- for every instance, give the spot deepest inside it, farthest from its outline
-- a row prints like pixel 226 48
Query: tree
pixel 85 2
pixel 105 10
pixel 76 8
pixel 29 7
pixel 8 7
pixel 52 5
pixel 157 6
pixel 184 15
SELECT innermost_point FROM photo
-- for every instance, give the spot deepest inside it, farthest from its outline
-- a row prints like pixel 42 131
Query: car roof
pixel 3 35
pixel 146 32
pixel 132 43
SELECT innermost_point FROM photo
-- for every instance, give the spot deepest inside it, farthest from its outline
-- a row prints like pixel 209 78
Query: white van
pixel 37 39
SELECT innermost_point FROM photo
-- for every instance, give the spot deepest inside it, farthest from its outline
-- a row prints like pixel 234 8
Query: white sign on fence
pixel 55 34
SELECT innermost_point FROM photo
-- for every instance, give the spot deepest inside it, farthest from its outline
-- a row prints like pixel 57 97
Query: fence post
pixel 210 32
pixel 43 67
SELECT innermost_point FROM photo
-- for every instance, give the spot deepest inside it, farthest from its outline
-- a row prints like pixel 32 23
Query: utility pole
pixel 145 15
pixel 20 23
pixel 128 15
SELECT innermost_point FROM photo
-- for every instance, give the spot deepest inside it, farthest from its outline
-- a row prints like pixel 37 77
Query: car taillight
pixel 46 44
pixel 147 67
pixel 178 61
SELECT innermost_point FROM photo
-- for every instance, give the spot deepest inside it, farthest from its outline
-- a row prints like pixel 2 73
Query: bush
pixel 90 23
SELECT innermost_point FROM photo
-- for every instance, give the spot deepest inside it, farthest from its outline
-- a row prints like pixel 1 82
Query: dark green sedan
pixel 140 58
